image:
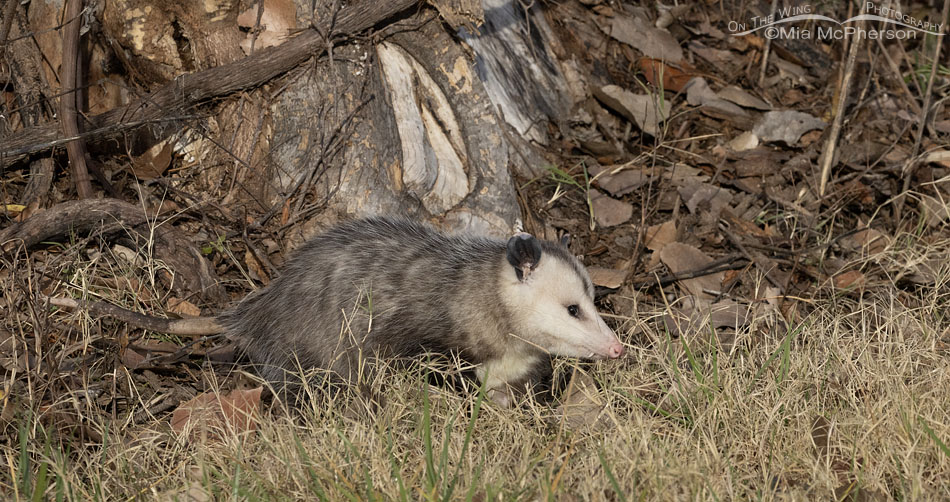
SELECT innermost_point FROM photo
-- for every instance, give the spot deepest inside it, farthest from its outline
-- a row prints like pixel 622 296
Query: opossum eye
pixel 573 311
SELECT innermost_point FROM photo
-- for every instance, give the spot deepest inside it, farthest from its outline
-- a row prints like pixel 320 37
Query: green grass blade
pixel 933 436
pixel 394 464
pixel 783 350
pixel 468 439
pixel 431 475
pixel 610 476
pixel 315 484
pixel 24 473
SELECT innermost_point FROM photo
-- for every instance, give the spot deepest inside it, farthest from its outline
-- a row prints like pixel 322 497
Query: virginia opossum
pixel 382 287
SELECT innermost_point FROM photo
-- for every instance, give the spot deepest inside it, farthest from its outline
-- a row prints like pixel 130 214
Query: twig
pixel 723 226
pixel 256 30
pixel 720 265
pixel 828 155
pixel 67 104
pixel 898 77
pixel 767 49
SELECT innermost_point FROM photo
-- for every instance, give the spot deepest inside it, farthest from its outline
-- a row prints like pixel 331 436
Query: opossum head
pixel 552 300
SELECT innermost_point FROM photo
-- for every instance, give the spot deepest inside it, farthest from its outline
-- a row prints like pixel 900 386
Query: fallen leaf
pixel 254 267
pixel 710 199
pixel 691 315
pixel 869 241
pixel 183 307
pixel 127 254
pixel 787 71
pixel 664 76
pixel 645 111
pixel 609 212
pixel 130 358
pixel 606 277
pixel 742 98
pixel 855 191
pixel 927 271
pixel 699 92
pixel 620 183
pixel 743 142
pixel 153 163
pixel 238 411
pixel 743 227
pixel 14 210
pixel 680 258
pixel 641 35
pixel 660 235
pixel 682 174
pixel 722 109
pixel 582 405
pixel 786 126
pixel 760 161
pixel 163 207
pixel 850 280
pixel 719 57
pixel 820 433
pixel 936 211
pixel 728 314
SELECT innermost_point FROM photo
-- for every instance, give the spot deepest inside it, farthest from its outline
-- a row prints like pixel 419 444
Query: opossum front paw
pixel 500 396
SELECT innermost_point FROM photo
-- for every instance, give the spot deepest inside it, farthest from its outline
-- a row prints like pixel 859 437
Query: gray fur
pixel 430 292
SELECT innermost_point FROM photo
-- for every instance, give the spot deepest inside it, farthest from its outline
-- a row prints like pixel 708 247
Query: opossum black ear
pixel 524 253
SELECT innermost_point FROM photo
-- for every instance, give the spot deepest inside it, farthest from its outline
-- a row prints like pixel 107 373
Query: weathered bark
pixel 176 99
pixel 31 103
pixel 429 141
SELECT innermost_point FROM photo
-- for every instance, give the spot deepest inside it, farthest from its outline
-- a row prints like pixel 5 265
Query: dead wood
pixel 176 98
pixel 116 219
pixel 731 262
pixel 71 80
pixel 831 144
pixel 8 11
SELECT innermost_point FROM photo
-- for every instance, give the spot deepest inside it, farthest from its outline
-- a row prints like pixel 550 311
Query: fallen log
pixel 116 219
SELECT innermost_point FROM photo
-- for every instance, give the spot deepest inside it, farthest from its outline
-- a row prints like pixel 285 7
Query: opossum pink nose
pixel 615 350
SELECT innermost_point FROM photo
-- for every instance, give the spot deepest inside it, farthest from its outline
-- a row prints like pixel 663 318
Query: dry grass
pixel 682 420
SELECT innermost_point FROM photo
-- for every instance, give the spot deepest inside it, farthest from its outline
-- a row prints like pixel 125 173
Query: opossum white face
pixel 552 301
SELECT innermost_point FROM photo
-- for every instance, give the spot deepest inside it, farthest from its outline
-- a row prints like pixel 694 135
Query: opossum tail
pixel 197 326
